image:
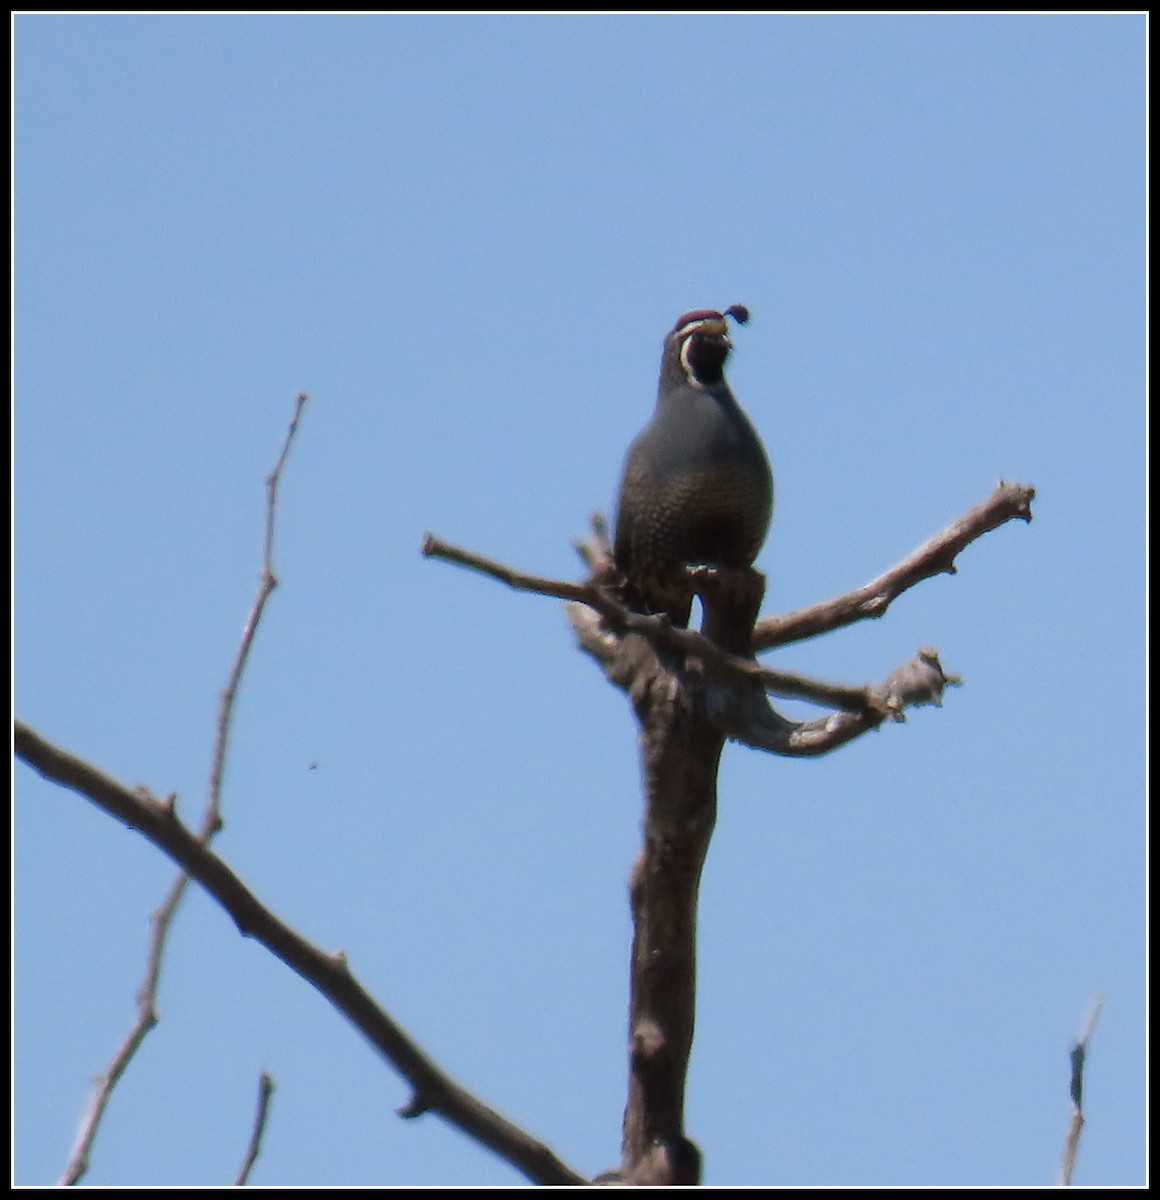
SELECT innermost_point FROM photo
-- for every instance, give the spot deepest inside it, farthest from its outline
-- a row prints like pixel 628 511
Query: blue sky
pixel 466 238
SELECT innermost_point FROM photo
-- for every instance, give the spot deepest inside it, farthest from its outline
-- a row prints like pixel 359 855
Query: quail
pixel 697 487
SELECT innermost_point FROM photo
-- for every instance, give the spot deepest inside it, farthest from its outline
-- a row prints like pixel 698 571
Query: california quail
pixel 697 488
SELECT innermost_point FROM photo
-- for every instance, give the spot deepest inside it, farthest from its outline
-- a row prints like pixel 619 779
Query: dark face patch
pixel 704 353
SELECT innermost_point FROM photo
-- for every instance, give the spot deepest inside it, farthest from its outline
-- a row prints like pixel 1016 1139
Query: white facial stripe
pixel 685 330
pixel 686 366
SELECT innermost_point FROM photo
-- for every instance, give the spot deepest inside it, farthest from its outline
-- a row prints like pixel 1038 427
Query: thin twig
pixel 267 583
pixel 584 593
pixel 434 1091
pixel 162 917
pixel 1076 1124
pixel 265 1090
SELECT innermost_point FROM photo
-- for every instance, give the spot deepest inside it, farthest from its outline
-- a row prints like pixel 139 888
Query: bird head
pixel 699 342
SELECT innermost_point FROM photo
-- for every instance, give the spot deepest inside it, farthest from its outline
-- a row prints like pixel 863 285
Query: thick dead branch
pixel 681 752
pixel 1009 501
pixel 434 1091
pixel 745 716
pixel 740 710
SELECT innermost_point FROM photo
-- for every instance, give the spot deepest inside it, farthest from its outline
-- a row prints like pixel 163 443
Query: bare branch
pixel 433 1090
pixel 935 556
pixel 657 630
pixel 434 547
pixel 267 583
pixel 162 917
pixel 265 1090
pixel 1009 501
pixel 1078 1056
pixel 739 709
pixel 747 717
pixel 78 1159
